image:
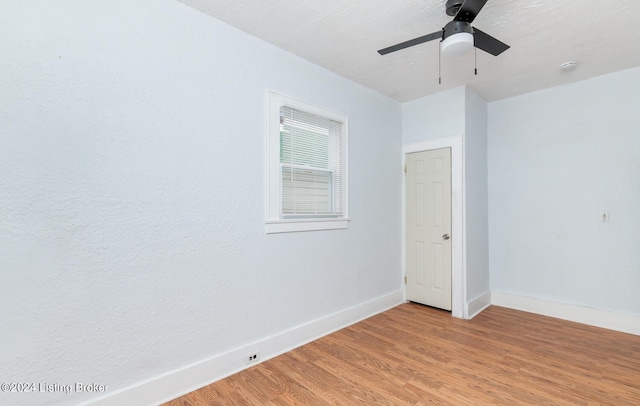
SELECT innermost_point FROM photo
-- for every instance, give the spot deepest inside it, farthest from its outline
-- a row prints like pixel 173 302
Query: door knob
pixel 445 236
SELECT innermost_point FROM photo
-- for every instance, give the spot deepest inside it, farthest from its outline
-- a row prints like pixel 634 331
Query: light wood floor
pixel 416 355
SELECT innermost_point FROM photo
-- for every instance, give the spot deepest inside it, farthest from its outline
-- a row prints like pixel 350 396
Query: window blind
pixel 311 164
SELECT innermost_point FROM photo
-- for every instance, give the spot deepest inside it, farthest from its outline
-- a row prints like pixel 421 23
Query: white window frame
pixel 274 223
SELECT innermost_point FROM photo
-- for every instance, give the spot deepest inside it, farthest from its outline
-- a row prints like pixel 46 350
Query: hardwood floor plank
pixel 414 355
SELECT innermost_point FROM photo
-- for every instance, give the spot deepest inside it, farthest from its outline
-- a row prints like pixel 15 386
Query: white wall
pixel 557 159
pixel 436 116
pixel 476 199
pixel 131 196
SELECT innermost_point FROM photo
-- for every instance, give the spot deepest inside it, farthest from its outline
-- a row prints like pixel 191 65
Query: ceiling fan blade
pixel 487 43
pixel 469 10
pixel 411 42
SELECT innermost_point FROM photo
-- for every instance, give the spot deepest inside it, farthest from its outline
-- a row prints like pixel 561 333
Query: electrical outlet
pixel 604 217
pixel 251 358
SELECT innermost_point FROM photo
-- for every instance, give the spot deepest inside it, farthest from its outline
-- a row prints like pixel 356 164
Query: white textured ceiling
pixel 343 36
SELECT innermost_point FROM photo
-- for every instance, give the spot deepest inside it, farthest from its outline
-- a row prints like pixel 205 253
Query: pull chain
pixel 475 59
pixel 439 63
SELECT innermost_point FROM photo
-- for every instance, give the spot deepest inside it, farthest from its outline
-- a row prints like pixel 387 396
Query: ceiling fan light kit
pixel 457 44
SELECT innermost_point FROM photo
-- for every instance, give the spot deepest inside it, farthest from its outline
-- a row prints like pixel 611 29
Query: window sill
pixel 297 225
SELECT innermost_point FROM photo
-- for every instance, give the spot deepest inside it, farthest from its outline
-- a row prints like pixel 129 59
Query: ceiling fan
pixel 458 34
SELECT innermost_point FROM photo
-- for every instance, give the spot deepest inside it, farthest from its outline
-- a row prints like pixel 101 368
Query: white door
pixel 428 216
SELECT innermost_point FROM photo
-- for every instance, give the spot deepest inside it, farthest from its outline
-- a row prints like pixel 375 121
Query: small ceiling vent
pixel 568 65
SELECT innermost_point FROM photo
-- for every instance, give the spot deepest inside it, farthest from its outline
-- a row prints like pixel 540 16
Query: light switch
pixel 604 217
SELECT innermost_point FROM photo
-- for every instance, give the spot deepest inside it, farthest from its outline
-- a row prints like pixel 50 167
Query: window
pixel 306 167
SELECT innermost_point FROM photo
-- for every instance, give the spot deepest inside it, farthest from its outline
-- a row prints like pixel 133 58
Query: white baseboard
pixel 477 305
pixel 586 315
pixel 178 382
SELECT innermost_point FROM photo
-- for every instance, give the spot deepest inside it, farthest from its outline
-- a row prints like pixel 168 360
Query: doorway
pixel 457 235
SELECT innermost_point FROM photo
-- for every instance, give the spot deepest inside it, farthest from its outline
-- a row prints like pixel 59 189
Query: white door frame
pixel 458 220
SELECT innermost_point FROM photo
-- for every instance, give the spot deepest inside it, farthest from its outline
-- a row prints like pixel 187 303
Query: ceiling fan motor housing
pixel 453 6
pixel 456 27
